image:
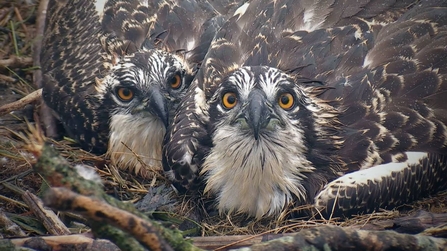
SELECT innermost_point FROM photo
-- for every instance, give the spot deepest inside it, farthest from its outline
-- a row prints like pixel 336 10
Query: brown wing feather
pixel 264 26
pixel 126 25
pixel 69 69
pixel 406 83
pixel 171 25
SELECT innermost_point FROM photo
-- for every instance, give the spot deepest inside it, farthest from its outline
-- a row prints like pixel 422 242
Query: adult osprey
pixel 340 104
pixel 115 71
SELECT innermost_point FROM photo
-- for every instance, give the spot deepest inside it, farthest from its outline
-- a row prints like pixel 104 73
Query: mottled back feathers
pixel 380 64
pixel 71 59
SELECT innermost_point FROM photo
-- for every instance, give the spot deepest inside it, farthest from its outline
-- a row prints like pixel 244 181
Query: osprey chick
pixel 293 96
pixel 115 72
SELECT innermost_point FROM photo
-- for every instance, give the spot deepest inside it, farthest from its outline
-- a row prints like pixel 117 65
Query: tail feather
pixel 384 186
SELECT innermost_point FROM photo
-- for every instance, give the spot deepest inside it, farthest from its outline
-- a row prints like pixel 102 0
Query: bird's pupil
pixel 175 81
pixel 284 99
pixel 126 92
pixel 231 99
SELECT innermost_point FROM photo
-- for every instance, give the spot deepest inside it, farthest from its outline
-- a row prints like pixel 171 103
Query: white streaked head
pixel 141 94
pixel 262 124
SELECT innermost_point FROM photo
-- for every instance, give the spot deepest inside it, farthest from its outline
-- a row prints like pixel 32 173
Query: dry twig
pixel 49 219
pixel 19 104
pixel 7 79
pixel 16 62
pixel 76 242
pixel 65 200
pixel 19 17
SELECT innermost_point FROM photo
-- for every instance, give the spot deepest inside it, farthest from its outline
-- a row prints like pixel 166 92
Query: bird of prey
pixel 115 71
pixel 340 104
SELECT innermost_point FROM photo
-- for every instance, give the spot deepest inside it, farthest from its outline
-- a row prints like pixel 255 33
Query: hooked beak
pixel 257 113
pixel 157 104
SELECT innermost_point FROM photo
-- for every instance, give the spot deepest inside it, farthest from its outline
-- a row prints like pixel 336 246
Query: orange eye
pixel 286 101
pixel 229 100
pixel 176 81
pixel 125 94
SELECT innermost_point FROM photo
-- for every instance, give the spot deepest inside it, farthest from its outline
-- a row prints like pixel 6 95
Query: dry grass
pixel 16 38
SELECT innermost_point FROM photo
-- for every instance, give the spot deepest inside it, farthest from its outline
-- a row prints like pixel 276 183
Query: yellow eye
pixel 286 101
pixel 125 94
pixel 176 81
pixel 229 100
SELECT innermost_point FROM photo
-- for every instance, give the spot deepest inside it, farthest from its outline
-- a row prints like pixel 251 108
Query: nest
pixel 16 158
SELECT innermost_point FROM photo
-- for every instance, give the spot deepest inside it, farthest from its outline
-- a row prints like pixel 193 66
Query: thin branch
pixel 37 46
pixel 19 17
pixel 21 103
pixel 7 79
pixel 49 219
pixel 16 62
pixel 99 211
pixel 75 242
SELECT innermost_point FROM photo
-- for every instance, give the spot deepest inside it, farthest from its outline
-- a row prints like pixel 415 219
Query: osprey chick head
pixel 141 93
pixel 264 126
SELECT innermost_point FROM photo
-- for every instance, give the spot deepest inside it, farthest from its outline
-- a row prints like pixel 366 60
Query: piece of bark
pixel 48 218
pixel 232 241
pixel 338 238
pixel 410 224
pixel 63 199
pixel 21 103
pixel 419 222
pixel 77 242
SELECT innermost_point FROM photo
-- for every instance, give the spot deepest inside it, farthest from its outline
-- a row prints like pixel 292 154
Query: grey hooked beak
pixel 157 104
pixel 257 113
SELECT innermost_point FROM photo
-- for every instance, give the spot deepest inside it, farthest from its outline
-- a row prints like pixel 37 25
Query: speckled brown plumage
pixel 90 49
pixel 68 83
pixel 369 80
